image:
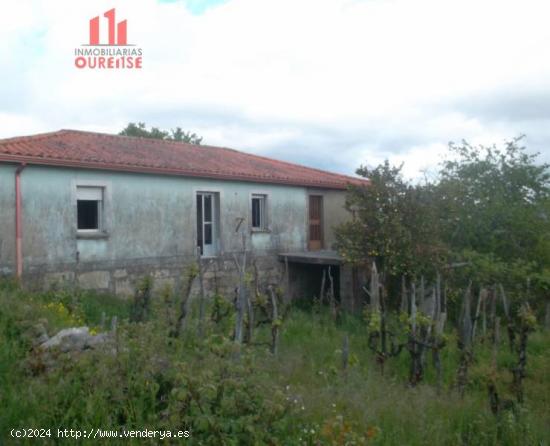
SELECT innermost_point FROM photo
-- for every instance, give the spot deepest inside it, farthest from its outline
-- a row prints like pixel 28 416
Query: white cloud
pixel 331 83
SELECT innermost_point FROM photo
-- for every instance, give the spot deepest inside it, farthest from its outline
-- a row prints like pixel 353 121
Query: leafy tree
pixel 489 211
pixel 141 131
pixel 394 223
pixel 177 134
pixel 495 200
pixel 494 205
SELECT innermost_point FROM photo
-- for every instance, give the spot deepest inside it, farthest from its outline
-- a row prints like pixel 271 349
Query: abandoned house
pixel 99 211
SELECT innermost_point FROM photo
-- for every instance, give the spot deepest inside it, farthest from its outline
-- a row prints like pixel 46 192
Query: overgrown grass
pixel 403 415
pixel 302 396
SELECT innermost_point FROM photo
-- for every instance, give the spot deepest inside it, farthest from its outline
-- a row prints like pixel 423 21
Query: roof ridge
pixel 179 143
pixel 43 135
pixel 296 164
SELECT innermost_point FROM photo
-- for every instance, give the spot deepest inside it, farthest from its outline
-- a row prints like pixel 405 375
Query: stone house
pixel 99 211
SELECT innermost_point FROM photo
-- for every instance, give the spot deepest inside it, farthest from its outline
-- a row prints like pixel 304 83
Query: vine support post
pixel 465 341
pixel 274 322
pixel 200 328
pixel 404 308
pixel 331 295
pixel 241 297
pixel 322 292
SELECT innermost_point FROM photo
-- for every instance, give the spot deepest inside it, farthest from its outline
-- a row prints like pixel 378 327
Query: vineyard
pixel 325 385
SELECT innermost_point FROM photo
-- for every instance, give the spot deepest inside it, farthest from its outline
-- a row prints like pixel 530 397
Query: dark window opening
pixel 208 234
pixel 259 212
pixel 88 214
pixel 208 208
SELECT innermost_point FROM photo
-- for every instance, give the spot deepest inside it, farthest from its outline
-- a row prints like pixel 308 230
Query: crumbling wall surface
pixel 120 277
pixel 148 216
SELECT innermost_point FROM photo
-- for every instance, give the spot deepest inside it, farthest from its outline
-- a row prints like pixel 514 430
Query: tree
pixel 495 200
pixel 177 134
pixel 489 209
pixel 494 205
pixel 394 224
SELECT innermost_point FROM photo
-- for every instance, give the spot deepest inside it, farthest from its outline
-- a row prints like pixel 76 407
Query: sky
pixel 333 84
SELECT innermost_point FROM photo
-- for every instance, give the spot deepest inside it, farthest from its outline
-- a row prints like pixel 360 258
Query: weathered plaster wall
pixel 7 218
pixel 147 216
pixel 151 226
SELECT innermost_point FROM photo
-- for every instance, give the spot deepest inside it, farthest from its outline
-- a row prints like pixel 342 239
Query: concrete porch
pixel 305 272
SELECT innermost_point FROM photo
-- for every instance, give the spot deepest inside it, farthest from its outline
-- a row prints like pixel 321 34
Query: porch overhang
pixel 312 257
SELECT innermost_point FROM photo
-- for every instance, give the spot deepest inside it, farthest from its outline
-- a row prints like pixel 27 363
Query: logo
pixel 116 53
pixel 120 29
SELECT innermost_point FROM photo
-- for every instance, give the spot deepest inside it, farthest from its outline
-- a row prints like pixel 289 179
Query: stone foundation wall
pixel 120 277
pixel 220 276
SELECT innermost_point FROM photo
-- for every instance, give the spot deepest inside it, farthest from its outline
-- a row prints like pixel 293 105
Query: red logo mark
pixel 119 35
pixel 116 54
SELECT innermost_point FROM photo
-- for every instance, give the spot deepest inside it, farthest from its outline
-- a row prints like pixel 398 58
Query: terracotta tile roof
pixel 75 148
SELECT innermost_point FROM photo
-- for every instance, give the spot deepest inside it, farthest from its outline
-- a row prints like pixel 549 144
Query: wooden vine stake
pixel 181 321
pixel 413 345
pixel 322 292
pixel 287 295
pixel 241 296
pixel 374 289
pixel 379 335
pixel 404 308
pixel 480 305
pixel 438 341
pixel 510 328
pixel 465 341
pixel 332 299
pixel 200 328
pixel 275 322
pixel 249 305
pixel 527 323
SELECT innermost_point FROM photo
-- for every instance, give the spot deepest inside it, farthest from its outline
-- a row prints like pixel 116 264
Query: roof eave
pixel 168 171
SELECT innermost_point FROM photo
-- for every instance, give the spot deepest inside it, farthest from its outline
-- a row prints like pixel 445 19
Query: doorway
pixel 207 228
pixel 315 242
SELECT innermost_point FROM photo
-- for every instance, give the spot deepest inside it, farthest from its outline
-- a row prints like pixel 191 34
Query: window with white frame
pixel 89 208
pixel 259 212
pixel 208 223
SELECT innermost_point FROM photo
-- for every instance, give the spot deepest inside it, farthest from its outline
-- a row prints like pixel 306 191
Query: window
pixel 259 214
pixel 89 208
pixel 315 222
pixel 207 223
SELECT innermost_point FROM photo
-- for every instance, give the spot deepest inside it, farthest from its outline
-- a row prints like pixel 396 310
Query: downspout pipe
pixel 18 223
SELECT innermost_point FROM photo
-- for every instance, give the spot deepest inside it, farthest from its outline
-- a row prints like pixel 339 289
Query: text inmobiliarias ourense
pixel 108 58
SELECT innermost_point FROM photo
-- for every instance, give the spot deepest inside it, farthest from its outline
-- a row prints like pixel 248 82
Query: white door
pixel 206 224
